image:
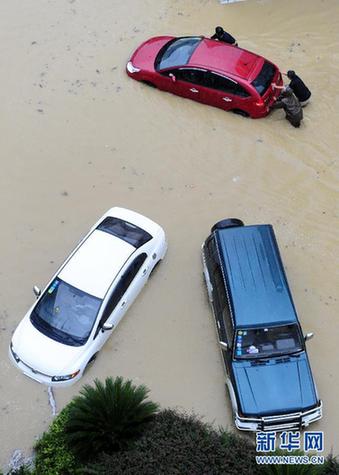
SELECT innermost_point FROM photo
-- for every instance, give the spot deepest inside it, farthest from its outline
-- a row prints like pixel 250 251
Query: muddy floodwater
pixel 78 137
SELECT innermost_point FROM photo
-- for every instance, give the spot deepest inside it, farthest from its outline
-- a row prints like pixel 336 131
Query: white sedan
pixel 87 297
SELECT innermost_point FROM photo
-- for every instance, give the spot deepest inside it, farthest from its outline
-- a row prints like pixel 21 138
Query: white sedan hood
pixel 42 353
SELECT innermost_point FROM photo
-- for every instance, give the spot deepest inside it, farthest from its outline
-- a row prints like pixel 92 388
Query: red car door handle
pixel 194 90
pixel 227 99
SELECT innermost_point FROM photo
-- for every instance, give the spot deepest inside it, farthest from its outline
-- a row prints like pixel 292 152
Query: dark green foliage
pixel 330 467
pixel 53 457
pixel 107 417
pixel 23 470
pixel 180 444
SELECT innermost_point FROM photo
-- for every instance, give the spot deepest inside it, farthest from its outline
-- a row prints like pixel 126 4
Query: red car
pixel 208 71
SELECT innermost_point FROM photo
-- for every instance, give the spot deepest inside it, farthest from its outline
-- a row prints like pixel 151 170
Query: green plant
pixel 53 456
pixel 23 470
pixel 107 417
pixel 330 466
pixel 175 443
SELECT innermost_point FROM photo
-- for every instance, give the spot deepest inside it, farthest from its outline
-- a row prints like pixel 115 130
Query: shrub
pixel 53 456
pixel 330 467
pixel 107 417
pixel 178 444
pixel 23 470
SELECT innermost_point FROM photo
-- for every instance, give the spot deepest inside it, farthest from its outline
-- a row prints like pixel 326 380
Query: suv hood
pixel 275 386
pixel 42 353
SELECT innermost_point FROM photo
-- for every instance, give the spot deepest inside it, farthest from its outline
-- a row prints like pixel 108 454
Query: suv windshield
pixel 65 313
pixel 267 342
pixel 176 52
pixel 264 78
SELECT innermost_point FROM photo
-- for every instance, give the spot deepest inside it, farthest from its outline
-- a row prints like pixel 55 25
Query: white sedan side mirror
pixel 223 345
pixel 107 326
pixel 36 291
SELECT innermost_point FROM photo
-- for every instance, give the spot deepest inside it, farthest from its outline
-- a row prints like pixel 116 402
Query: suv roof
pixel 258 290
pixel 224 58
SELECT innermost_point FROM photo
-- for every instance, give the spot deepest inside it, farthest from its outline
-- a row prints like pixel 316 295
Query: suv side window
pixel 122 285
pixel 228 324
pixel 212 252
pixel 221 83
pixel 219 299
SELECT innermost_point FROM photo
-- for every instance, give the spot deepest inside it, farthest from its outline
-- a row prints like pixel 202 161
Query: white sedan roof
pixel 96 263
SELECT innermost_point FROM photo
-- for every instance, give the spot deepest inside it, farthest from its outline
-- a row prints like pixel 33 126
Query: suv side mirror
pixel 308 336
pixel 107 327
pixel 171 75
pixel 223 345
pixel 36 291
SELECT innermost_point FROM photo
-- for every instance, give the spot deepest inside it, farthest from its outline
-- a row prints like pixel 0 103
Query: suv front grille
pixel 283 422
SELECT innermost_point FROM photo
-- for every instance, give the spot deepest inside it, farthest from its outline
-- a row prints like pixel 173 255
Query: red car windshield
pixel 176 52
pixel 264 79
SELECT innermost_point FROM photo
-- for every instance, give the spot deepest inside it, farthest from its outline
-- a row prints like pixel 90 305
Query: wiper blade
pixel 296 354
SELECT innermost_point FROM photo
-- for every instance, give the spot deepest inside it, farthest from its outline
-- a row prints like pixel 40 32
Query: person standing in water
pixel 291 106
pixel 221 35
pixel 299 88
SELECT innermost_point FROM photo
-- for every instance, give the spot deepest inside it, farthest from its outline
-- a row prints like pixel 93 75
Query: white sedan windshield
pixel 66 313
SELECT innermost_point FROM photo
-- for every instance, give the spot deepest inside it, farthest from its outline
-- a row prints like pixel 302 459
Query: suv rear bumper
pixel 295 421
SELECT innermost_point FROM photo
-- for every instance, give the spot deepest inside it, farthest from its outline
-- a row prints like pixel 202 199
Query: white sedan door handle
pixel 194 90
pixel 123 304
pixel 227 99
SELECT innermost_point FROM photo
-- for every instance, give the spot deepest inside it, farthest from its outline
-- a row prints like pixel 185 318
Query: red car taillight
pixel 260 103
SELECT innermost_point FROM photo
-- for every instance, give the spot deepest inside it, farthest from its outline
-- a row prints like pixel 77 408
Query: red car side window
pixel 224 84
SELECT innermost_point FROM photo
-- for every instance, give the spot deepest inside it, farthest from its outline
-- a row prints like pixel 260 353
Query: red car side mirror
pixel 172 77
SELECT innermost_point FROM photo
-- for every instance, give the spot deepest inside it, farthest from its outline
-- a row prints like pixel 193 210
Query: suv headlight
pixel 15 356
pixel 66 377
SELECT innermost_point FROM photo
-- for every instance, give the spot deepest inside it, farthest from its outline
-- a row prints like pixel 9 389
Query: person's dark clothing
pixel 225 37
pixel 299 88
pixel 292 108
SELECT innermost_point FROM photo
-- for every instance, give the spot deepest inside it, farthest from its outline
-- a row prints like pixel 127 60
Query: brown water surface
pixel 78 136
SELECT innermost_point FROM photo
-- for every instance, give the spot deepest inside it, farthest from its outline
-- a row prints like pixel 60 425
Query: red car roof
pixel 224 58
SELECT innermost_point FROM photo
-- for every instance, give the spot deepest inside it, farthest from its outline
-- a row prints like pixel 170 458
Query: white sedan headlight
pixel 15 356
pixel 66 377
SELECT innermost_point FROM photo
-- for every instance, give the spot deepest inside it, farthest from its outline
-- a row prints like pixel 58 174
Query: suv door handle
pixel 123 304
pixel 227 99
pixel 193 89
pixel 144 272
